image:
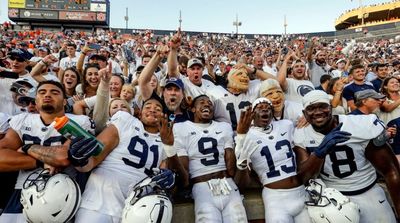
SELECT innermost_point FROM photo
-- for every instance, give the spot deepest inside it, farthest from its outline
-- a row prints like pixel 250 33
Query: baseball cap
pixel 21 54
pixel 42 48
pixel 175 81
pixel 97 57
pixel 341 60
pixel 368 93
pixel 194 61
pixel 259 101
pixel 315 96
pixel 269 84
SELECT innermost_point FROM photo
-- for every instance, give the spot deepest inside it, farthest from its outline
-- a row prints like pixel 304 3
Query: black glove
pixel 334 137
pixel 81 149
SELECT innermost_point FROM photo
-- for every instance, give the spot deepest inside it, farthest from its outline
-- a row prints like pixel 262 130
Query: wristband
pixel 25 148
pixel 169 150
pixel 44 63
pixel 241 159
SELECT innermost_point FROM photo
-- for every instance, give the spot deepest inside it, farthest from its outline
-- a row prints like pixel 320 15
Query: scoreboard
pixel 62 11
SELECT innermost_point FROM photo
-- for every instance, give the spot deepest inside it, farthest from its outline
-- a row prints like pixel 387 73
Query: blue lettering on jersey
pixel 283 144
pixel 205 151
pixel 349 160
pixel 142 155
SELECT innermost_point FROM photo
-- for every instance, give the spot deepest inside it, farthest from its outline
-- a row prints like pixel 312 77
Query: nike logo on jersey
pixel 193 133
pixel 157 140
pixel 218 132
pixel 282 134
pixel 381 201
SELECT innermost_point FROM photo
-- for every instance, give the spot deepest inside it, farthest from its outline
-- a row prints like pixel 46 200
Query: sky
pixel 257 16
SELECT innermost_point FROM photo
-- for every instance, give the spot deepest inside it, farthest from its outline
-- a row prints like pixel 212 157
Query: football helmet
pixel 329 205
pixel 50 199
pixel 147 203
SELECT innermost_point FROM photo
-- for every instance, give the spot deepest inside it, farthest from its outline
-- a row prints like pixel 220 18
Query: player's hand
pixel 81 149
pixel 165 179
pixel 246 117
pixel 334 137
pixel 302 122
pixel 166 130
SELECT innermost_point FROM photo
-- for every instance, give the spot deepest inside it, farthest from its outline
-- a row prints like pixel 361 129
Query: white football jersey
pixel 271 154
pixel 31 130
pixel 132 160
pixel 228 106
pixel 204 144
pixel 346 168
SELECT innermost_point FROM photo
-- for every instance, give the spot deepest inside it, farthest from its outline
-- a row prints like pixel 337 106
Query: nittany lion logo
pixel 304 89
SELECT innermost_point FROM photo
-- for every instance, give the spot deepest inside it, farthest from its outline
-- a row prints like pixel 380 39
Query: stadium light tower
pixel 285 24
pixel 237 24
pixel 126 18
pixel 180 19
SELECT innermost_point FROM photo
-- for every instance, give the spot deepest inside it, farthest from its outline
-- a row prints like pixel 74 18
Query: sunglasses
pixel 19 59
pixel 26 101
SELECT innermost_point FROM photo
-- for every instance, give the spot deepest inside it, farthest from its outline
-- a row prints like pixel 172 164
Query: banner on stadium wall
pixel 78 16
pixel 20 4
pixel 97 7
pixel 38 14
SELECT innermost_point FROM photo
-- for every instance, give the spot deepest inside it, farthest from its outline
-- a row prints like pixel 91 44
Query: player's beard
pixel 48 108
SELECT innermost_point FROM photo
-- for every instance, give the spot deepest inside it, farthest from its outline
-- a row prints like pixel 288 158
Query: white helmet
pixel 50 199
pixel 329 205
pixel 147 203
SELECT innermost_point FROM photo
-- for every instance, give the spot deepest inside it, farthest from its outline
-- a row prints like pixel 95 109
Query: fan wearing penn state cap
pixel 346 151
pixel 266 148
pixel 205 148
pixel 19 62
pixel 173 92
pixel 298 85
pixel 133 150
pixel 194 83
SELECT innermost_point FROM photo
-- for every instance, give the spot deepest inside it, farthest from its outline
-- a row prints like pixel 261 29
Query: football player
pixel 30 143
pixel 205 149
pixel 346 152
pixel 267 148
pixel 133 148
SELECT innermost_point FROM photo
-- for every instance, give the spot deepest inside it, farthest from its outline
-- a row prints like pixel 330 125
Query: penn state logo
pixel 304 89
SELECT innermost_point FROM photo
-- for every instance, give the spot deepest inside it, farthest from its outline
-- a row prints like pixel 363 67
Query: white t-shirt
pixel 68 62
pixel 296 89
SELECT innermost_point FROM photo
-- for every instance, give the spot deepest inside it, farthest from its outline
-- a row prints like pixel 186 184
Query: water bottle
pixel 70 129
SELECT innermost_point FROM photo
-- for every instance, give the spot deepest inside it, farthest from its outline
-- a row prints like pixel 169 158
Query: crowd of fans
pixel 103 73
